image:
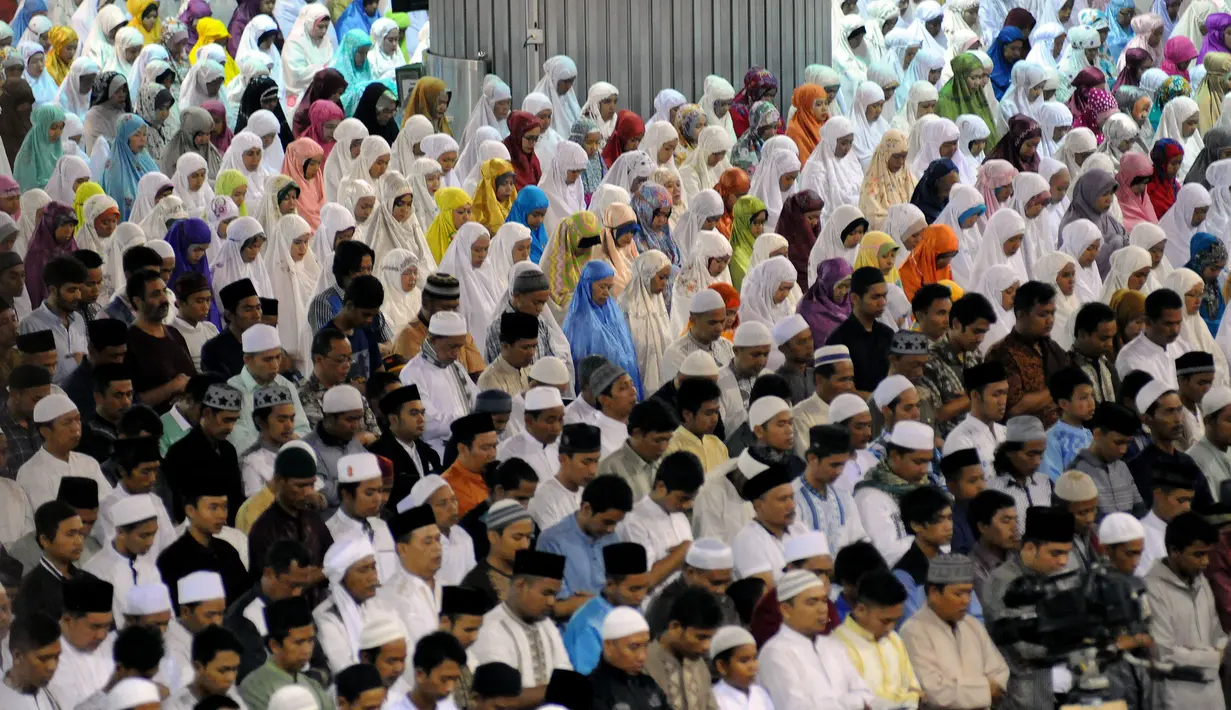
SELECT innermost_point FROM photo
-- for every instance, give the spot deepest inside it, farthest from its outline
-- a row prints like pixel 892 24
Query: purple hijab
pixel 43 248
pixel 184 234
pixel 195 11
pixel 824 314
pixel 1214 26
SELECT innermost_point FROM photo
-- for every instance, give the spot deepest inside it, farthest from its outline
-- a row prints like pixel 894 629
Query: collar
pixel 851 626
pixel 179 418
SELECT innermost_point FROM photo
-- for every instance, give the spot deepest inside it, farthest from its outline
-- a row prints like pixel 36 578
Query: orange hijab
pixel 920 267
pixel 803 127
pixel 733 184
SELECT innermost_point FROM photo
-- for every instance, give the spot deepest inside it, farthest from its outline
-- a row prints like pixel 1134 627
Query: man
pixel 357 319
pixel 1076 493
pixel 360 687
pixel 113 396
pixel 193 298
pixel 215 664
pixel 262 361
pixel 457 548
pixel 1020 456
pixel 1103 461
pixel 1172 496
pixel 908 355
pixel 519 339
pixel 134 261
pixel 158 355
pixel 336 436
pixel 580 537
pixel 677 659
pixel 331 361
pixel 964 480
pixel 993 518
pixel 659 521
pixel 708 566
pixel 359 484
pixel 545 372
pixel 64 278
pixel 1094 346
pixel 771 432
pixel 627 584
pixel 273 413
pixel 513 480
pixel 584 409
pixel 821 506
pixel 615 395
pixel 1123 540
pixel 752 344
pixel 987 390
pixel 1195 374
pixel 706 321
pixel 286 574
pixel 799 651
pixel 930 307
pixel 442 293
pixel 59 424
pixel 200 601
pixel 759 547
pixel 414 590
pixel 349 262
pixel 10 356
pixel 28 385
pixel 1154 351
pixel 35 646
pixel 1183 619
pixel 295 514
pixel 461 615
pixel 698 409
pixel 85 661
pixel 1029 355
pixel 897 400
pixel 620 680
pixel 1046 545
pixel 385 649
pixel 793 339
pixel 529 293
pixel 508 530
pixel 862 333
pixel 60 534
pixel 438 662
pixel 927 513
pixel 107 345
pixel 498 405
pixel 350 566
pixel 651 428
pixel 834 374
pixel 206 448
pixel 443 382
pixel 1161 411
pixel 123 562
pixel 1210 452
pixel 474 436
pixel 869 637
pixel 402 441
pixel 538 443
pixel 908 456
pixel 135 655
pixel 520 632
pixel 559 496
pixel 241 308
pixel 13 283
pixel 38 348
pixel 186 411
pixel 953 657
pixel 290 642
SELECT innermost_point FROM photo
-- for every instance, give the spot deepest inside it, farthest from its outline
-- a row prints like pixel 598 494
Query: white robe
pixel 552 502
pixel 458 548
pixel 104 529
pixel 416 604
pixel 80 674
pixel 545 460
pixel 757 552
pixel 16 514
pixel 110 566
pixel 657 531
pixel 833 683
pixel 503 638
pixel 883 521
pixel 446 396
pixel 342 525
pixel 40 476
pixel 718 510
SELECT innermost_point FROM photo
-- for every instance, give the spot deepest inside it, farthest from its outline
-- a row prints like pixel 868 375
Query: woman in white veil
pixel 1059 270
pixel 1194 332
pixel 998 284
pixel 247 142
pixel 303 54
pixel 781 167
pixel 489 150
pixel 510 246
pixel 341 160
pixel 293 274
pixel 479 301
pixel 707 162
pixel 765 294
pixel 711 249
pixel 472 155
pixel 250 45
pixel 266 125
pixel 1002 235
pixel 962 216
pixel 718 95
pixel 592 109
pixel 645 307
pixel 836 180
pixel 425 179
pixel 564 107
pixel 393 224
pixel 337 225
pixel 71 96
pixel 240 258
pixel 564 198
pixel 400 306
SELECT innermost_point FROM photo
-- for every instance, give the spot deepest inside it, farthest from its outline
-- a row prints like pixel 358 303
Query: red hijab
pixel 733 184
pixel 525 167
pixel 628 126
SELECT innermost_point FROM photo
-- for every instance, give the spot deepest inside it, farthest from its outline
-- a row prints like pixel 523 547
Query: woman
pixel 962 215
pixel 351 60
pixel 1019 146
pixel 964 95
pixel 706 264
pixel 328 84
pixel 1147 35
pixel 1195 333
pixel 191 185
pixel 867 121
pixel 1130 269
pixel 1185 218
pixel 776 182
pixel 1082 240
pixel 837 179
pixel 196 127
pixel 708 161
pixel 309 47
pixel 246 157
pixel 455 210
pixel 998 285
pixel 931 194
pixel 570 248
pixel 152 188
pixel 495 194
pixel 888 181
pixel 1025 94
pixel 748 223
pixel 303 164
pixel 509 247
pixel 129 163
pixel 108 101
pixel 1180 120
pixel 800 224
pixel 36 159
pixel 1134 176
pixel 706 210
pixel 74 93
pixel 563 184
pixel 530 209
pixel 1178 53
pixel 1212 91
pixel 400 276
pixel 1120 137
pixel 928 262
pixel 1091 106
pixel 52 238
pixel 430 99
pixel 811 112
pixel 596 325
pixel 766 294
pixel 1009 47
pixel 154 107
pixel 1166 157
pixel 1209 258
pixel 759 85
pixel 524 132
pixel 348 137
pixel 827 304
pixel 1002 244
pixel 652 203
pixel 1154 240
pixel 645 309
pixel 618 246
pixel 240 258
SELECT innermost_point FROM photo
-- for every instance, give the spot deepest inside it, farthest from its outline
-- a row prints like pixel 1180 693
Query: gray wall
pixel 641 46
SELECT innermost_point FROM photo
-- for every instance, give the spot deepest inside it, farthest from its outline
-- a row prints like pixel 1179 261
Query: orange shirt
pixel 467 486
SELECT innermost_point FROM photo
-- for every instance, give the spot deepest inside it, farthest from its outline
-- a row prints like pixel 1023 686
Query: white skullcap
pixel 132 693
pixel 379 629
pixel 1120 527
pixel 788 328
pixel 729 637
pixel 766 408
pixel 795 582
pixel 916 436
pixel 292 697
pixel 199 587
pixel 1215 400
pixel 622 622
pixel 748 465
pixel 706 300
pixel 753 334
pixel 810 544
pixel 146 599
pixel 341 398
pixel 830 354
pixel 709 553
pixel 353 468
pixel 52 407
pixel 1149 394
pixel 845 406
pixel 261 337
pixel 541 398
pixel 447 323
pixel 1075 487
pixel 549 370
pixel 343 554
pixel 421 491
pixel 699 364
pixel 133 509
pixel 162 248
pixel 890 389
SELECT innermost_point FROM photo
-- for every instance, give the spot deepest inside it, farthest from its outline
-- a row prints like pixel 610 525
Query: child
pixel 1114 428
pixel 1195 373
pixel 733 652
pixel 1073 391
pixel 964 478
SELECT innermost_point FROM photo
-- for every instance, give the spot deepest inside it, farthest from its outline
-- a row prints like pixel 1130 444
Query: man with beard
pixel 64 277
pixel 158 355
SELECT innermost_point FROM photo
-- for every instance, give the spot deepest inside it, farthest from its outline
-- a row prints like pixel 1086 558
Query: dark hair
pixel 652 416
pixel 1164 299
pixel 105 375
pixel 879 588
pixel 138 648
pixel 436 648
pixel 284 553
pixel 140 418
pixel 1064 382
pixel 927 295
pixel 1132 383
pixel 745 594
pixel 64 270
pixel 509 474
pixel 696 608
pixel 34 630
pixel 139 258
pixel 365 291
pixel 608 492
pixel 348 258
pixel 864 278
pixel 586 368
pixel 1031 294
pixel 970 308
pixel 88 258
pixel 1091 316
pixel 694 392
pixel 1187 528
pixel 923 505
pixel 324 339
pixel 983 508
pixel 48 517
pixel 135 288
pixel 855 560
pixel 377 382
pixel 216 702
pixel 771 384
pixel 680 471
pixel 355 680
pixel 211 641
pixel 198 385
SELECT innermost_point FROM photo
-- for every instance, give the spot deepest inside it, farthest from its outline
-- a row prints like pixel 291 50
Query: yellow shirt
pixel 709 449
pixel 252 509
pixel 882 663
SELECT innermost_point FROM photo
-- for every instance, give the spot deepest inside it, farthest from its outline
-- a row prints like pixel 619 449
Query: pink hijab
pixel 993 175
pixel 1136 208
pixel 1178 49
pixel 311 192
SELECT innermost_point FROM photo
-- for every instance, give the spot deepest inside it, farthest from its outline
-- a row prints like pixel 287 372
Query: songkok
pixel 1049 524
pixel 802 547
pixel 107 333
pixel 39 341
pixel 87 594
pixel 341 398
pixel 709 553
pixel 443 287
pixel 529 281
pixel 1194 362
pixel 951 569
pixel 580 439
pixel 353 468
pixel 133 509
pixel 289 613
pixel 224 397
pixel 493 402
pixel 1024 428
pixel 1118 528
pixel 344 554
pixel 447 324
pixel 422 490
pixel 496 680
pixel 269 306
pixel 788 328
pixel 379 629
pixel 1075 487
pixel 796 582
pixel 518 326
pixel 549 370
pixel 503 514
pixel 260 338
pixel 828 440
pixel 830 354
pixel 146 599
pixel 396 398
pixel 538 564
pixel 749 465
pixel 292 697
pixel 954 462
pixel 752 334
pixel 199 587
pixel 908 342
pixel 541 398
pixel 766 408
pixel 706 300
pixel 913 435
pixel 775 475
pixel 52 407
pixel 411 519
pixel 133 693
pixel 463 601
pixel 624 621
pixel 982 375
pixel 699 363
pixel 890 389
pixel 295 460
pixel 1215 400
pixel 604 377
pixel 568 690
pixel 234 292
pixel 845 406
pixel 729 637
pixel 273 396
pixel 78 491
pixel 624 558
pixel 1176 474
pixel 471 425
pixel 1150 394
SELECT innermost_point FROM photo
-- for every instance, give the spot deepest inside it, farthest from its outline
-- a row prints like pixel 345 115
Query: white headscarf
pixel 1046 269
pixel 1194 332
pixel 998 231
pixel 1218 219
pixel 341 556
pixel 1040 239
pixel 1078 236
pixel 73 129
pixel 1024 77
pixel 141 73
pixel 335 218
pixel 194 202
pixel 1177 222
pixel 647 315
pixel 1175 113
pixel 664 102
pixel 629 167
pixel 970 128
pixel 68 170
pixel 193 91
pixel 564 109
pixel 564 199
pixel 1147 236
pixel 696 174
pixel 717 88
pixel 925 12
pixel 837 180
pixel 147 189
pixel 756 298
pixel 851 64
pixel 400 307
pixel 340 163
pixel 250 45
pixel 31 202
pixel 480 300
pixel 352 192
pixel 168 209
pixel 1053 115
pixel 222 211
pixel 263 123
pixel 44 87
pixel 294 285
pixel 70 97
pixel 992 285
pixel 437 145
pixel 87 236
pixel 1041 39
pixel 414 130
pixel 867 135
pixel 302 56
pixel 98 43
pixel 658 135
pixel 1076 142
pixel 384 66
pixel 384 233
pixel 127 38
pixel 230 266
pixel 425 203
pixel 606 196
pixel 536 103
pixel 233 159
pixel 695 275
pixel 371 150
pixel 962 198
pixel 920 92
pixel 933 134
pixel 1125 262
pixel 598 93
pixel 251 66
pixel 706 205
pixel 829 243
pixel 126 236
pixel 499 260
pixel 480 149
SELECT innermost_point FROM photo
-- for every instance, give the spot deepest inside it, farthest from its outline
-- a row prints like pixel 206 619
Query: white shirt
pixel 972 433
pixel 882 519
pixel 178 642
pixel 446 396
pixel 718 510
pixel 552 502
pixel 1144 354
pixel 416 604
pixel 615 433
pixel 504 638
pixel 110 566
pixel 458 559
pixel 811 412
pixel 183 699
pixel 578 411
pixel 402 702
pixel 16 515
pixel 656 530
pixel 731 406
pixel 104 530
pixel 545 460
pixel 1155 547
pixel 833 683
pixel 731 699
pixel 195 336
pixel 257 469
pixel 81 673
pixel 12 700
pixel 757 551
pixel 40 476
pixel 673 356
pixel 332 635
pixel 841 526
pixel 342 525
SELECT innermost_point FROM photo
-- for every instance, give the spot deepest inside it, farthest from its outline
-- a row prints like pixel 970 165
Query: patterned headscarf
pixel 564 259
pixel 1174 86
pixel 758 82
pixel 650 198
pixel 747 152
pixel 593 174
pixel 1208 251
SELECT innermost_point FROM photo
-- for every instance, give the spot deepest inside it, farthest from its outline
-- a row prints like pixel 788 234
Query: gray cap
pixel 224 397
pixel 503 514
pixel 493 402
pixel 529 281
pixel 951 569
pixel 271 396
pixel 1025 428
pixel 604 377
pixel 796 582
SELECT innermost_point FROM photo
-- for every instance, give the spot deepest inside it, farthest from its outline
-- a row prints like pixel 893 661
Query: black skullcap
pixel 289 613
pixel 396 398
pixel 828 439
pixel 493 402
pixel 569 689
pixel 471 425
pixel 587 242
pixel 624 558
pixel 269 306
pixel 206 482
pixel 1194 362
pixel 1049 524
pixel 518 326
pixel 8 260
pixel 107 333
pixel 958 460
pixel 464 601
pixel 234 292
pixel 776 475
pixel 580 439
pixel 137 450
pixel 358 679
pixel 442 287
pixel 982 375
pixel 25 377
pixel 1110 416
pixel 538 564
pixel 410 520
pixel 39 341
pixel 78 491
pixel 87 594
pixel 1178 474
pixel 295 462
pixel 496 680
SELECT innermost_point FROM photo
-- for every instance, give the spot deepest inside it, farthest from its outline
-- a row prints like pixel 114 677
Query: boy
pixel 1194 372
pixel 1114 428
pixel 733 652
pixel 964 478
pixel 1073 392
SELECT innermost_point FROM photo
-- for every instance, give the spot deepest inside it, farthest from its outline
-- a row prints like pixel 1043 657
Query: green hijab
pixel 36 160
pixel 956 97
pixel 742 239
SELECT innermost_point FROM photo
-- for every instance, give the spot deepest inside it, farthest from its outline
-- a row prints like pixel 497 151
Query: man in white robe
pixel 413 592
pixel 218 653
pixel 202 601
pixel 908 457
pixel 1154 351
pixel 987 385
pixel 538 442
pixel 559 496
pixel 446 387
pixel 36 647
pixel 59 423
pixel 760 547
pixel 584 409
pixel 138 465
pixel 350 566
pixel 719 511
pixel 706 320
pixel 85 641
pixel 123 561
pixel 359 492
pixel 659 521
pixel 457 547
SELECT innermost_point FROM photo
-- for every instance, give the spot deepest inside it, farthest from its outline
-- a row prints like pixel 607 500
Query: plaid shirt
pixel 942 377
pixel 24 442
pixel 326 305
pixel 312 397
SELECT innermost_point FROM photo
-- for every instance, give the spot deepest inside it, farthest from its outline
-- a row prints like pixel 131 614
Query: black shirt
pixel 1153 459
pixel 195 455
pixel 613 688
pixel 185 556
pixel 869 350
pixel 80 388
pixel 223 354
